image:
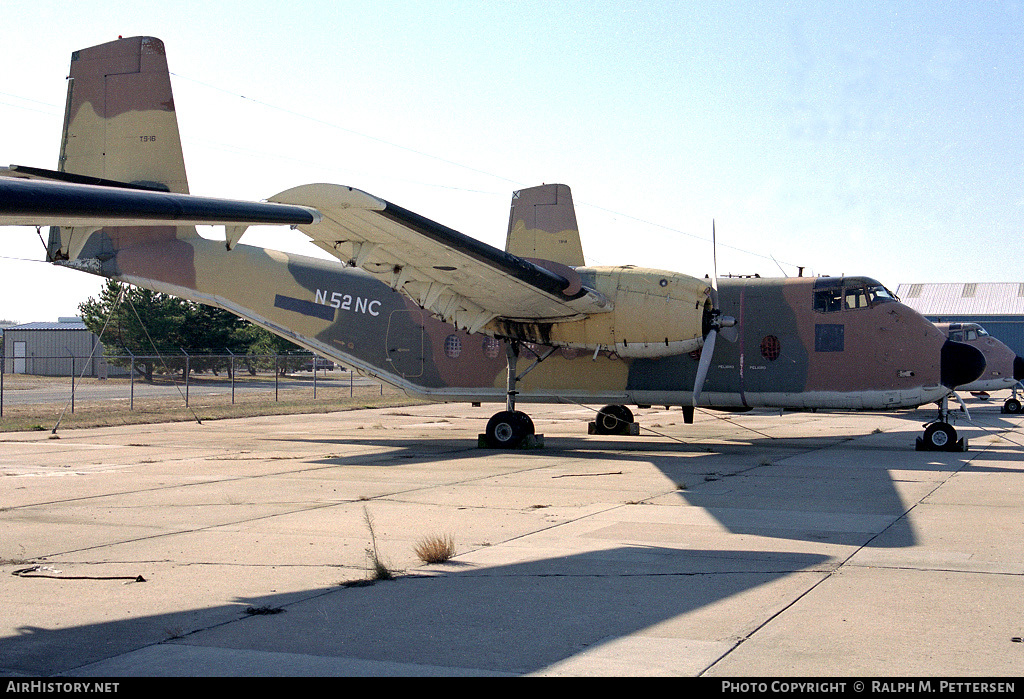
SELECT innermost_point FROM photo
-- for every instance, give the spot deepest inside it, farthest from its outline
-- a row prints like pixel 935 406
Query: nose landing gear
pixel 1012 404
pixel 940 435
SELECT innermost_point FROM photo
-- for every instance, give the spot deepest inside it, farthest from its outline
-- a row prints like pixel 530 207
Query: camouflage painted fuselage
pixel 1003 368
pixel 788 353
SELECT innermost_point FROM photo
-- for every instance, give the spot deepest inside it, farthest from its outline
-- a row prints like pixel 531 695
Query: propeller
pixel 714 322
pixel 963 406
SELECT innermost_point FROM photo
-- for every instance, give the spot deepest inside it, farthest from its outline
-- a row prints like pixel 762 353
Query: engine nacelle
pixel 655 314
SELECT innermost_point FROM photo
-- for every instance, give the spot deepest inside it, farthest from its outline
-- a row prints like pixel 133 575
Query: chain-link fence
pixel 182 377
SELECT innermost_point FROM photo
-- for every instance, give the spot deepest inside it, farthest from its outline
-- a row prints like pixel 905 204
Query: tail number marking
pixel 348 302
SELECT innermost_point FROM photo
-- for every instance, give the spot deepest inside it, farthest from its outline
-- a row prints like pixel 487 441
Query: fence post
pixel 131 401
pixel 188 370
pixel 72 383
pixel 276 372
pixel 3 369
pixel 231 369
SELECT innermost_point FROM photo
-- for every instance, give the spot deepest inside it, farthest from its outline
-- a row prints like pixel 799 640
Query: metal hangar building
pixel 998 307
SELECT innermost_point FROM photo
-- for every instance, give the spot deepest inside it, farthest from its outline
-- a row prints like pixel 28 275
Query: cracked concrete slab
pixel 762 544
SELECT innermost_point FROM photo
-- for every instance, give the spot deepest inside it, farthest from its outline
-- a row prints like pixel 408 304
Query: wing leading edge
pixel 458 278
pixel 42 202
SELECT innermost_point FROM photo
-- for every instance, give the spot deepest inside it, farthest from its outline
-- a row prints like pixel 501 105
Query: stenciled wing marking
pixel 43 202
pixel 457 278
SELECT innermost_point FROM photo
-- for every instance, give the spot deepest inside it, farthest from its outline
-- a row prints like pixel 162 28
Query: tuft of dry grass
pixel 435 548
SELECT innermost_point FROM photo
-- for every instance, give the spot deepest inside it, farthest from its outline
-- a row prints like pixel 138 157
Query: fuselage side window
pixel 828 300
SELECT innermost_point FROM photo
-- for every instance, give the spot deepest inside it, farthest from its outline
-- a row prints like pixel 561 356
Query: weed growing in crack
pixel 378 570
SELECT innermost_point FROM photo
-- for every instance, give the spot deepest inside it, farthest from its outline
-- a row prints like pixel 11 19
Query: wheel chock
pixel 530 441
pixel 633 430
pixel 959 445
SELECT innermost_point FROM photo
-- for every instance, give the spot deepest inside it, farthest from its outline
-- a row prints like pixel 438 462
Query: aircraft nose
pixel 1018 369
pixel 961 364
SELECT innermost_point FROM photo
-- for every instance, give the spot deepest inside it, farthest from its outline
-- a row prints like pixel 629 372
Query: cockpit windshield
pixel 966 332
pixel 849 293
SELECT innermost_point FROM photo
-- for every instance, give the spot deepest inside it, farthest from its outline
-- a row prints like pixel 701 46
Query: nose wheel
pixel 1013 404
pixel 940 435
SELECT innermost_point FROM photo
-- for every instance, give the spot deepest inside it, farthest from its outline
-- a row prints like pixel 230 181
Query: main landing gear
pixel 511 428
pixel 614 419
pixel 939 435
pixel 1012 405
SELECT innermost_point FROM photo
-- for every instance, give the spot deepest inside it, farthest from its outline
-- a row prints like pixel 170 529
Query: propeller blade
pixel 714 261
pixel 963 405
pixel 705 363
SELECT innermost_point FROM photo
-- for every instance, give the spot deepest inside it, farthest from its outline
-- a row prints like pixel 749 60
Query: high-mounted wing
pixel 32 201
pixel 458 278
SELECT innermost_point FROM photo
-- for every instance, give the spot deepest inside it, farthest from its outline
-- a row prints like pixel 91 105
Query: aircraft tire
pixel 1012 405
pixel 940 436
pixel 614 419
pixel 508 429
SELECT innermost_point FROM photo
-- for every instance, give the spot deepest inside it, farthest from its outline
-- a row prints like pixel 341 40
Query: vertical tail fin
pixel 120 125
pixel 120 122
pixel 542 225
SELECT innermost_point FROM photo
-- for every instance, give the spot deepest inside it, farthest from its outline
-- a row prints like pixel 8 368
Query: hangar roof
pixel 964 298
pixel 49 326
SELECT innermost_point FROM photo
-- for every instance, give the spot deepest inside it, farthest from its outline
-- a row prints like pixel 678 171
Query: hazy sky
pixel 879 138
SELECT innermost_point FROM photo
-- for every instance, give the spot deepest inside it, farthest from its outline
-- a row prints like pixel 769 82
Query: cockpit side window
pixel 957 336
pixel 856 297
pixel 852 293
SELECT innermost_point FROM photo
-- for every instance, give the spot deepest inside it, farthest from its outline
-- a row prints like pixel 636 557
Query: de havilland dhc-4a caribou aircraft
pixel 447 317
pixel 1003 368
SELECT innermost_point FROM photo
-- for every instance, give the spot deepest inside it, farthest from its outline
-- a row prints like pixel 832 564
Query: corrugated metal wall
pixel 49 352
pixel 996 306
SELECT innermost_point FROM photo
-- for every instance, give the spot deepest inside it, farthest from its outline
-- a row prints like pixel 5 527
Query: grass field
pixel 210 398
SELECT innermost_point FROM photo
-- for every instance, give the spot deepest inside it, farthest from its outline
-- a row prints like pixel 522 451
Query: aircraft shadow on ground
pixel 516 618
pixel 846 497
pixel 526 617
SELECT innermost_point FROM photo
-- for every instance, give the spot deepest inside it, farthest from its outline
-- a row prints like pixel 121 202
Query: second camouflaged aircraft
pixel 442 315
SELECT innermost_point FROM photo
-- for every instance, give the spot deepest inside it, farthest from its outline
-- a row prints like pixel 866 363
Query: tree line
pixel 131 321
